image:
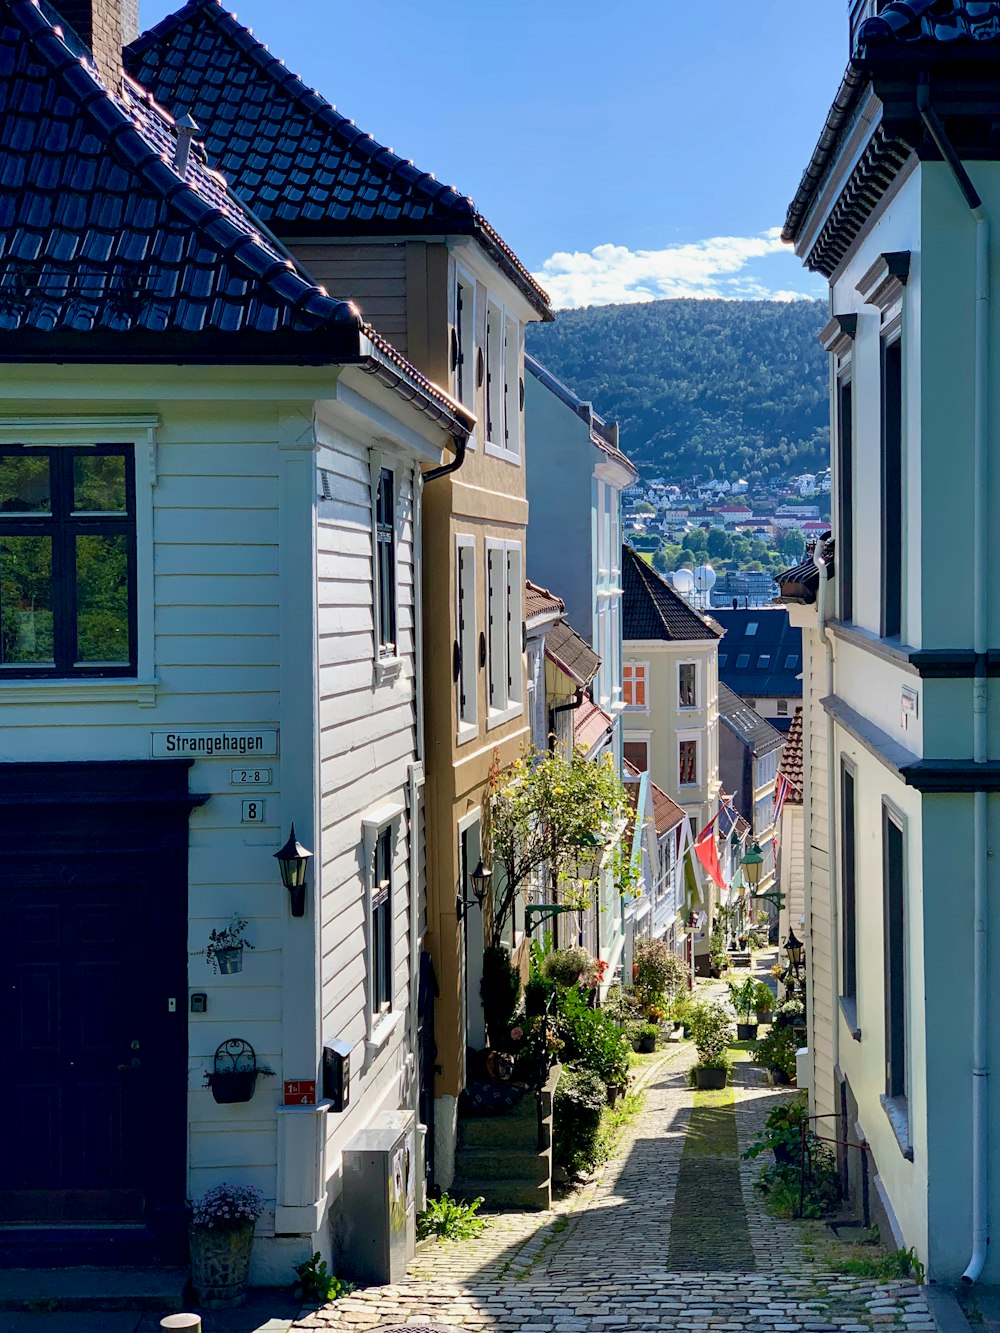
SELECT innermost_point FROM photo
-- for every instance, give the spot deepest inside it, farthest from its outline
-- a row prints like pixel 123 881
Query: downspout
pixel 570 707
pixel 823 611
pixel 415 785
pixel 980 734
pixel 461 441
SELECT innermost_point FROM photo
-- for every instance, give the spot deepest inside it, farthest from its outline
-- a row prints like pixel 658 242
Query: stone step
pixel 499 1131
pixel 530 1168
pixel 160 1290
pixel 503 1193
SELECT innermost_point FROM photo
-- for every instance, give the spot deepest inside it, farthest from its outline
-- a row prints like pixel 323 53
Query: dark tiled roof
pixel 540 602
pixel 791 759
pixel 800 584
pixel 932 22
pixel 302 166
pixel 753 730
pixel 602 435
pixel 102 241
pixel 592 726
pixel 773 652
pixel 571 654
pixel 654 610
pixel 667 814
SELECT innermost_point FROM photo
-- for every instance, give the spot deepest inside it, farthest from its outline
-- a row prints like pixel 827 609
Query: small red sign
pixel 300 1092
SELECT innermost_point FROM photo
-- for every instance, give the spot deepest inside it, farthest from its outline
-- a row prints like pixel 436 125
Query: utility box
pixel 379 1199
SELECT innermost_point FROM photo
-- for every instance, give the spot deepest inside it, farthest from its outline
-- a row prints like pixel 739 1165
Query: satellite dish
pixel 704 578
pixel 684 581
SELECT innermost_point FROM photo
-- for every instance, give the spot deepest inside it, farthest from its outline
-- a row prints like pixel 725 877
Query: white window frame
pixel 387 665
pixel 696 736
pixel 78 432
pixel 689 708
pixel 468 643
pixel 504 640
pixel 379 1027
pixel 633 667
pixel 503 373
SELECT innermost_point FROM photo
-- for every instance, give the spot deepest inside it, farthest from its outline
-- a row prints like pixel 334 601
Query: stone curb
pixel 946 1311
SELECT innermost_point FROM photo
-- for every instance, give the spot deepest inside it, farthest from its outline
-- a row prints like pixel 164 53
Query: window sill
pixel 497 717
pixel 849 1010
pixel 468 731
pixel 109 690
pixel 898 1114
pixel 388 669
pixel 378 1038
pixel 498 451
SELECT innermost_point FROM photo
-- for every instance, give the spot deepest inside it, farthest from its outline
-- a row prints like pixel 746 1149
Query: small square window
pixel 763 662
pixel 742 662
pixel 782 707
pixel 723 658
pixel 751 628
pixel 791 661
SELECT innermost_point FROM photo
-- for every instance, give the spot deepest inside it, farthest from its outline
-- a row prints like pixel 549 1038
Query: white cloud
pixel 718 267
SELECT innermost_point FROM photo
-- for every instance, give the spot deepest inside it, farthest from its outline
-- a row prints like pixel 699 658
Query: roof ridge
pixel 118 130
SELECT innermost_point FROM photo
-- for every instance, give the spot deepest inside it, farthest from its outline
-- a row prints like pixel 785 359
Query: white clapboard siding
pixel 373 276
pixel 820 926
pixel 367 742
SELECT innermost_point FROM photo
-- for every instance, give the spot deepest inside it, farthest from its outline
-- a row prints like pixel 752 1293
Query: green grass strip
pixel 709 1230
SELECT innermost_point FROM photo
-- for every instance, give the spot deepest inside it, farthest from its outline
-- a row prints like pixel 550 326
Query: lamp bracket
pixel 544 912
pixel 776 899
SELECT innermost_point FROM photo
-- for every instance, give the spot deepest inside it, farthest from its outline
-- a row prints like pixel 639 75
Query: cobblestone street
pixel 671 1235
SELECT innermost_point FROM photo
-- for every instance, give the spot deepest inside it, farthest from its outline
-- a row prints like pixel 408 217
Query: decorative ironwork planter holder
pixel 234 1076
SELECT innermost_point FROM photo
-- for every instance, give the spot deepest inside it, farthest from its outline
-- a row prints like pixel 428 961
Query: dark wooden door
pixel 74 1019
pixel 93 1013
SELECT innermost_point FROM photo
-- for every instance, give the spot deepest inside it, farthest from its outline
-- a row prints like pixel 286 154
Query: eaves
pixel 844 160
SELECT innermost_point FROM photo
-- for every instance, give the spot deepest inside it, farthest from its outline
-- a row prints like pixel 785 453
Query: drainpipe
pixel 461 441
pixel 823 611
pixel 571 707
pixel 980 735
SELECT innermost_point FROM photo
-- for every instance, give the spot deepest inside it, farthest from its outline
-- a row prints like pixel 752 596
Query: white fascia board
pixel 476 259
pixel 608 470
pixel 369 410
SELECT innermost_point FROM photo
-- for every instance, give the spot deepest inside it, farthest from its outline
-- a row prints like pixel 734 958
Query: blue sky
pixel 626 152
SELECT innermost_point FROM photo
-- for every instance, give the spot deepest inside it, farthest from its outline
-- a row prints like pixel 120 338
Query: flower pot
pixel 710 1079
pixel 235 1085
pixel 746 1031
pixel 229 960
pixel 780 1077
pixel 647 1045
pixel 612 1095
pixel 220 1265
pixel 763 1016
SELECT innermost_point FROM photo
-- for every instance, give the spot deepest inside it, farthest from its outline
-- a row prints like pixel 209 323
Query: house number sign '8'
pixel 253 812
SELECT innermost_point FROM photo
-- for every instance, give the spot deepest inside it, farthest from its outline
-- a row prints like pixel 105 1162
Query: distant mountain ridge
pixel 701 388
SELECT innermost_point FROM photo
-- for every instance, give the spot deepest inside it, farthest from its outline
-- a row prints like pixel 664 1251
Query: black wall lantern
pixel 795 950
pixel 481 880
pixel 293 859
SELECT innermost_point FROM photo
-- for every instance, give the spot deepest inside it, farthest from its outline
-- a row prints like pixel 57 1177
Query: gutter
pixel 980 734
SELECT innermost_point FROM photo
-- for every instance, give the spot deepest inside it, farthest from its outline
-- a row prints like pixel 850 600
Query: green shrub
pixel 500 989
pixel 316 1283
pixel 763 999
pixel 592 1039
pixel 896 1266
pixel 776 1050
pixel 742 995
pixel 657 972
pixel 712 1030
pixel 447 1219
pixel 580 1098
pixel 537 994
pixel 782 1132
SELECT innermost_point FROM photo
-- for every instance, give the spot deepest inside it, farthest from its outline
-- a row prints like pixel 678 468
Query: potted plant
pixel 221 1234
pixel 566 966
pixel 776 1052
pixel 224 950
pixel 713 1033
pixel 763 1004
pixel 790 1013
pixel 785 1131
pixel 648 1033
pixel 657 972
pixel 743 995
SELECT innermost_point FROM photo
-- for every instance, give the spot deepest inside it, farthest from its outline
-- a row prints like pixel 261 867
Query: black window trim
pixel 386 627
pixel 845 491
pixel 381 910
pixel 849 880
pixel 62 528
pixel 892 467
pixel 894 943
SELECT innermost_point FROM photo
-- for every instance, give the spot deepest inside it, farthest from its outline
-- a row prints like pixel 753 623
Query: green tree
pixel 719 544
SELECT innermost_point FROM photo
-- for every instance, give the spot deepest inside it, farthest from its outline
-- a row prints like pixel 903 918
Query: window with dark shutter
pixel 894 933
pixel 385 532
pixel 848 877
pixel 381 926
pixel 892 488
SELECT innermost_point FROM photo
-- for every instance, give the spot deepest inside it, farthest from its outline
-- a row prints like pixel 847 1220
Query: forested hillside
pixel 720 389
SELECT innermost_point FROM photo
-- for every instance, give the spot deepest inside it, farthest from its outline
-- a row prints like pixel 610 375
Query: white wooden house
pixel 210 499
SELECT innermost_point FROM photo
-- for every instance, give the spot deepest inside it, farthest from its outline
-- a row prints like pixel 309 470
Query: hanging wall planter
pixel 234 1075
pixel 224 951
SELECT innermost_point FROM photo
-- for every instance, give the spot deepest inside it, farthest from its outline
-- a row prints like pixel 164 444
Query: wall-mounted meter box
pixel 337 1073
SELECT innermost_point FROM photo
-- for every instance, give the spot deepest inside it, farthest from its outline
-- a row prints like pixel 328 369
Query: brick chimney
pixel 106 26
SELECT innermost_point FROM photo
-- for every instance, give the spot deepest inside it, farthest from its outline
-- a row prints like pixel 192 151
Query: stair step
pixel 157 1289
pixel 499 1132
pixel 503 1193
pixel 528 1168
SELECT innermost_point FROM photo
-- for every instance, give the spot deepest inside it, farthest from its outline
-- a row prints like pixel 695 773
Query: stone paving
pixel 658 1241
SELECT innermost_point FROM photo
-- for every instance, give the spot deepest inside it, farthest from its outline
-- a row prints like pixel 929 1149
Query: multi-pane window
pixel 494 375
pixel 687 761
pixel 845 497
pixel 385 541
pixel 782 707
pixel 687 685
pixel 895 954
pixel 67 562
pixel 849 872
pixel 504 584
pixel 634 685
pixel 466 639
pixel 511 386
pixel 637 754
pixel 380 968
